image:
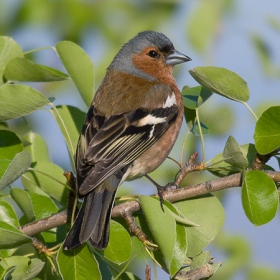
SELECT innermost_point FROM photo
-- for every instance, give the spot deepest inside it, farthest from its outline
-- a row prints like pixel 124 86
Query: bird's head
pixel 150 55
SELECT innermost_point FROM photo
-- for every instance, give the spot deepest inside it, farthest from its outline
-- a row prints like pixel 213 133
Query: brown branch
pixel 133 206
pixel 50 222
pixel 189 167
pixel 261 160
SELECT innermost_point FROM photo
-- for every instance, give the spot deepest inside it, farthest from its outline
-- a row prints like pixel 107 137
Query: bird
pixel 129 130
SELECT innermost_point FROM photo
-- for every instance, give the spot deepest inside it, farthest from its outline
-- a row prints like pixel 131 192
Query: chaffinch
pixel 130 128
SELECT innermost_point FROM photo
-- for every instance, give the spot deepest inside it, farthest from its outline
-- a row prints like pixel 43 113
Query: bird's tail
pixel 93 220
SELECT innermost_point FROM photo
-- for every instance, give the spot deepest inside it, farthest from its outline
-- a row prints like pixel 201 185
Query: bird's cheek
pixel 144 64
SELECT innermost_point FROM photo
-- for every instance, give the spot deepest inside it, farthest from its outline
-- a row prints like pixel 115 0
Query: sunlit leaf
pixel 267 131
pixel 9 50
pixel 260 198
pixel 42 206
pixel 25 268
pixel 78 263
pixel 209 214
pixel 8 214
pixel 24 70
pixel 79 66
pixel 19 100
pixel 46 179
pixel 114 252
pixel 70 120
pixel 11 237
pixel 222 81
pixel 170 247
pixel 36 146
pixel 20 163
pixel 23 200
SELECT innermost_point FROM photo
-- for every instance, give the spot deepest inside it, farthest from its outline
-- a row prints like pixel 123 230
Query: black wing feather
pixel 117 143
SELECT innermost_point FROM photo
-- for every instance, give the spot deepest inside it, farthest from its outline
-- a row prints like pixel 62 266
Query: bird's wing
pixel 107 146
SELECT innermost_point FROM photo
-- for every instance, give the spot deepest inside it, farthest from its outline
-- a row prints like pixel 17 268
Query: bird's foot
pixel 162 189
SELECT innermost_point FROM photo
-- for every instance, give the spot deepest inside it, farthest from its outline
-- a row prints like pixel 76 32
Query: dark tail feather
pixel 93 220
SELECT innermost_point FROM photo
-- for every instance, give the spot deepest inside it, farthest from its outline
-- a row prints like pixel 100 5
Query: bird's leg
pixel 160 190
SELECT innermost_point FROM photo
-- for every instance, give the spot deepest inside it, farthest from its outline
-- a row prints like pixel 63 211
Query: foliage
pixel 189 225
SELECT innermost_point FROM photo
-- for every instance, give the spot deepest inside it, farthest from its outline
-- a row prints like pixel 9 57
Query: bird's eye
pixel 153 53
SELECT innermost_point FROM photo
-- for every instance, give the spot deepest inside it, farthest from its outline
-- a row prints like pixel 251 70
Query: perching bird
pixel 130 128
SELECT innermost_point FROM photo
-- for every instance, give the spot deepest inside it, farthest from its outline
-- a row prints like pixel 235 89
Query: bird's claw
pixel 150 245
pixel 171 186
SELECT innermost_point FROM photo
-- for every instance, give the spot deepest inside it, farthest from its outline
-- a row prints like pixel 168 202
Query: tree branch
pixel 120 210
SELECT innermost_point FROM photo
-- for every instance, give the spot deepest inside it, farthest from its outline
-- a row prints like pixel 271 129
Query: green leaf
pixel 22 198
pixel 209 214
pixel 79 66
pixel 49 181
pixel 222 81
pixel 25 268
pixel 180 248
pixel 10 237
pixel 9 272
pixel 10 145
pixel 78 263
pixel 221 168
pixel 24 70
pixel 178 216
pixel 8 214
pixel 172 247
pixel 16 168
pixel 70 120
pixel 259 197
pixel 267 131
pixel 48 272
pixel 195 129
pixel 42 206
pixel 19 100
pixel 202 259
pixel 2 272
pixel 232 154
pixel 36 146
pixel 114 252
pixel 195 96
pixel 9 50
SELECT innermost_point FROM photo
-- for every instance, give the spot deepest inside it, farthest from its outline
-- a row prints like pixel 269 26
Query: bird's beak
pixel 176 57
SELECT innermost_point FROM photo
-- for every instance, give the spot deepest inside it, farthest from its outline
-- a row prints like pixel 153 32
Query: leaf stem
pixel 39 49
pixel 201 134
pixel 246 104
pixel 183 148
